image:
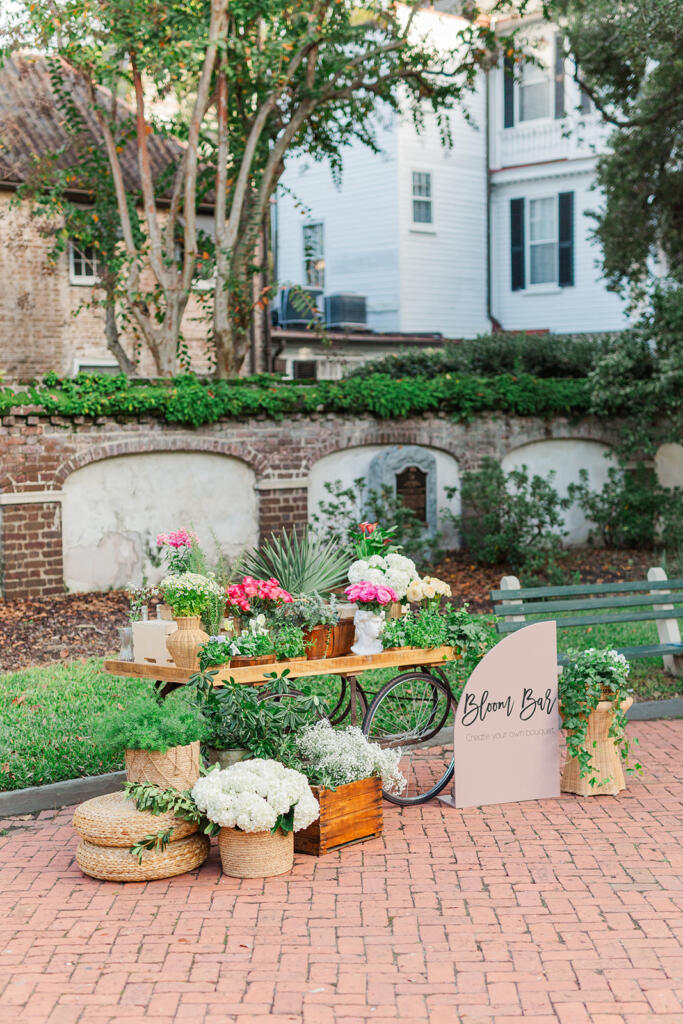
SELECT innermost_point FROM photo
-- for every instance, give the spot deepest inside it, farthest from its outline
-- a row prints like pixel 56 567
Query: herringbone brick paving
pixel 566 911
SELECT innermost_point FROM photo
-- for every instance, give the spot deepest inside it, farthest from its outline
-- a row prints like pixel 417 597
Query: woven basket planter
pixel 178 768
pixel 606 762
pixel 184 644
pixel 117 863
pixel 255 854
pixel 114 820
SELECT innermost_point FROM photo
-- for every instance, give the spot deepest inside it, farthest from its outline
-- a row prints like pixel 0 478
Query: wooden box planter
pixel 348 814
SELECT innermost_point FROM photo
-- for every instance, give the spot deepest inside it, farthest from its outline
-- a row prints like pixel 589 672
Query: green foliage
pixel 155 841
pixel 341 510
pixel 591 676
pixel 307 611
pixel 288 641
pixel 470 635
pixel 146 723
pixel 302 564
pixel 490 355
pixel 511 518
pixel 251 644
pixel 215 652
pixel 194 402
pixel 632 508
pixel 154 800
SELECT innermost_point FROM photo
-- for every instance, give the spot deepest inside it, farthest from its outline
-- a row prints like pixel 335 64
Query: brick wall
pixel 37 455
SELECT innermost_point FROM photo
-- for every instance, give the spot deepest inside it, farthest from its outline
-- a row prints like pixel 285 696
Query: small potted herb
pixel 316 618
pixel 288 642
pixel 188 594
pixel 594 699
pixel 251 648
pixel 160 738
pixel 215 653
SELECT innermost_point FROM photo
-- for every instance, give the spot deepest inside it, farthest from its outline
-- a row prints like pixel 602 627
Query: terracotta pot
pixel 255 854
pixel 320 640
pixel 606 763
pixel 184 644
pixel 342 638
pixel 178 768
pixel 226 758
pixel 243 660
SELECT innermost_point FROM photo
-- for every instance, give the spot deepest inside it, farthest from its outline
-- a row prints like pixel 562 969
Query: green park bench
pixel 656 599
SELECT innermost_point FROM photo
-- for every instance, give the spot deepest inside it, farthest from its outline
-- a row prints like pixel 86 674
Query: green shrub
pixel 489 355
pixel 511 518
pixel 146 723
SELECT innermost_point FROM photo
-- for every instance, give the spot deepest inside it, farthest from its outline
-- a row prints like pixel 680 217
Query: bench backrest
pixel 598 598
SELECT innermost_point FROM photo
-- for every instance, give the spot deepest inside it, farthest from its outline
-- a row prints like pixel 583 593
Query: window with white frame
pixel 423 211
pixel 542 251
pixel 314 255
pixel 83 264
pixel 534 93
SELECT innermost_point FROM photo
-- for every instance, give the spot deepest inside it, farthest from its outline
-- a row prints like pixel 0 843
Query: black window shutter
pixel 516 244
pixel 508 92
pixel 559 76
pixel 566 239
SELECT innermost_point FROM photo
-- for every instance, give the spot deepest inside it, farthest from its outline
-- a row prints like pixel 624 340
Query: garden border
pixel 73 791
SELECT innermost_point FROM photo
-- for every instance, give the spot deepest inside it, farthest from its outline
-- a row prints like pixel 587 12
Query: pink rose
pixel 385 595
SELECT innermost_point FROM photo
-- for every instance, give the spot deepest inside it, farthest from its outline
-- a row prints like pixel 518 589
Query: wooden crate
pixel 348 814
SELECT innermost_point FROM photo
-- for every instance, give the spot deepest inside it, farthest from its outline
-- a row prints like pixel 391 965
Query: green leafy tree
pixel 251 81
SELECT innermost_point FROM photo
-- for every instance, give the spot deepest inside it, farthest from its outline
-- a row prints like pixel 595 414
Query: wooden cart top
pixel 349 665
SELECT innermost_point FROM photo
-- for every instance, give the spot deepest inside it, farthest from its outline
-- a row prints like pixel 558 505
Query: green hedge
pixel 193 401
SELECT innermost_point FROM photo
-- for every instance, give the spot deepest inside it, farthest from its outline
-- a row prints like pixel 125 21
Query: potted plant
pixel 593 699
pixel 187 593
pixel 371 600
pixel 391 570
pixel 347 774
pixel 258 804
pixel 253 646
pixel 316 618
pixel 288 642
pixel 160 739
pixel 215 653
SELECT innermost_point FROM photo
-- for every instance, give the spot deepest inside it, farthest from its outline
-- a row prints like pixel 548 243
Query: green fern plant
pixel 302 564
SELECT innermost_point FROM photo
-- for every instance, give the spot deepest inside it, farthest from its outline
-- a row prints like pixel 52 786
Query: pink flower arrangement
pixel 176 539
pixel 253 595
pixel 375 597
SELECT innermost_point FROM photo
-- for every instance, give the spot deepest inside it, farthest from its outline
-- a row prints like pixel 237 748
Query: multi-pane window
pixel 423 212
pixel 314 256
pixel 542 240
pixel 534 93
pixel 83 264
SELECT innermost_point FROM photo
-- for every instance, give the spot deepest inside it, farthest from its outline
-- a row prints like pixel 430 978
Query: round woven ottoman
pixel 109 825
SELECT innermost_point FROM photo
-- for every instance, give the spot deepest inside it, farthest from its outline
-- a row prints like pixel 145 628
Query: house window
pixel 304 369
pixel 314 256
pixel 542 241
pixel 542 253
pixel 83 264
pixel 533 93
pixel 422 198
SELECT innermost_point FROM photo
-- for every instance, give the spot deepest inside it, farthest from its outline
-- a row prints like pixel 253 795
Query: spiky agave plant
pixel 302 563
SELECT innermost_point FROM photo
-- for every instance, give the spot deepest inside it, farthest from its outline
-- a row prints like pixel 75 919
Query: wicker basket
pixel 606 762
pixel 178 768
pixel 184 644
pixel 255 854
pixel 114 820
pixel 117 863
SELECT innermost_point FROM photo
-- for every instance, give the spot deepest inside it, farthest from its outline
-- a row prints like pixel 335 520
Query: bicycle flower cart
pixel 413 710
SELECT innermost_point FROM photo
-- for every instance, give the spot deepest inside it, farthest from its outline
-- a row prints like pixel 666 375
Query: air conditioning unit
pixel 347 311
pixel 298 306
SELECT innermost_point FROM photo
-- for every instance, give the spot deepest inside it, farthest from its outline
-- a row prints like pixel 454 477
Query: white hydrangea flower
pixel 377 562
pixel 402 563
pixel 399 581
pixel 252 794
pixel 346 755
pixel 357 570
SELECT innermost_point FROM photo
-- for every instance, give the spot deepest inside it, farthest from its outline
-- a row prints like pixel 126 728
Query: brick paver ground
pixel 564 910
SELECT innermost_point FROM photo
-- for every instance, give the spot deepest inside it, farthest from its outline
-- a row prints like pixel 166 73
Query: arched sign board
pixel 507 721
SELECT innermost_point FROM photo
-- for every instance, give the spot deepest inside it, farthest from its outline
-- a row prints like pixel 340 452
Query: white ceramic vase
pixel 369 626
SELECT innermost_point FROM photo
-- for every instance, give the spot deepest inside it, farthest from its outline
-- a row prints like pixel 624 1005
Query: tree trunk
pixel 114 345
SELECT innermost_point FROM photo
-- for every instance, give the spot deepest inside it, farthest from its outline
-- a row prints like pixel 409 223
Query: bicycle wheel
pixel 414 711
pixel 341 712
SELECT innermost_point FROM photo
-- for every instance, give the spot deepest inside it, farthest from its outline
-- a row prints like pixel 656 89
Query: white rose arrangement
pixel 255 796
pixel 429 588
pixel 394 571
pixel 335 757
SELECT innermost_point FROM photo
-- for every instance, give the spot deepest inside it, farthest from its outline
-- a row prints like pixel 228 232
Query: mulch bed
pixel 86 625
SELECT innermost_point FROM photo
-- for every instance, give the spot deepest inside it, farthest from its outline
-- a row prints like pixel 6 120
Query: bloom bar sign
pixel 507 723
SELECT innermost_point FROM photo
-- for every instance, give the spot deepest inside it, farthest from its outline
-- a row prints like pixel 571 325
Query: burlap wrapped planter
pixel 114 820
pixel 117 863
pixel 255 854
pixel 178 768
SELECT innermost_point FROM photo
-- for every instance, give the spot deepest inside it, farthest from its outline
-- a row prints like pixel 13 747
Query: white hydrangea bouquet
pixel 393 570
pixel 188 592
pixel 257 796
pixel 335 757
pixel 428 589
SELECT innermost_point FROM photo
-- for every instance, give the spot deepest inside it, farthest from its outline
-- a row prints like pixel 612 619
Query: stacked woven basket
pixel 109 825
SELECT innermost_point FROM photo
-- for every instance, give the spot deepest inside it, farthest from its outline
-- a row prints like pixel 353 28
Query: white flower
pixel 251 795
pixel 357 570
pixel 414 592
pixel 346 755
pixel 399 581
pixel 377 562
pixel 402 563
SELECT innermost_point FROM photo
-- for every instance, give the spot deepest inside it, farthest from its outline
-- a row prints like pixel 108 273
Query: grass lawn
pixel 47 713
